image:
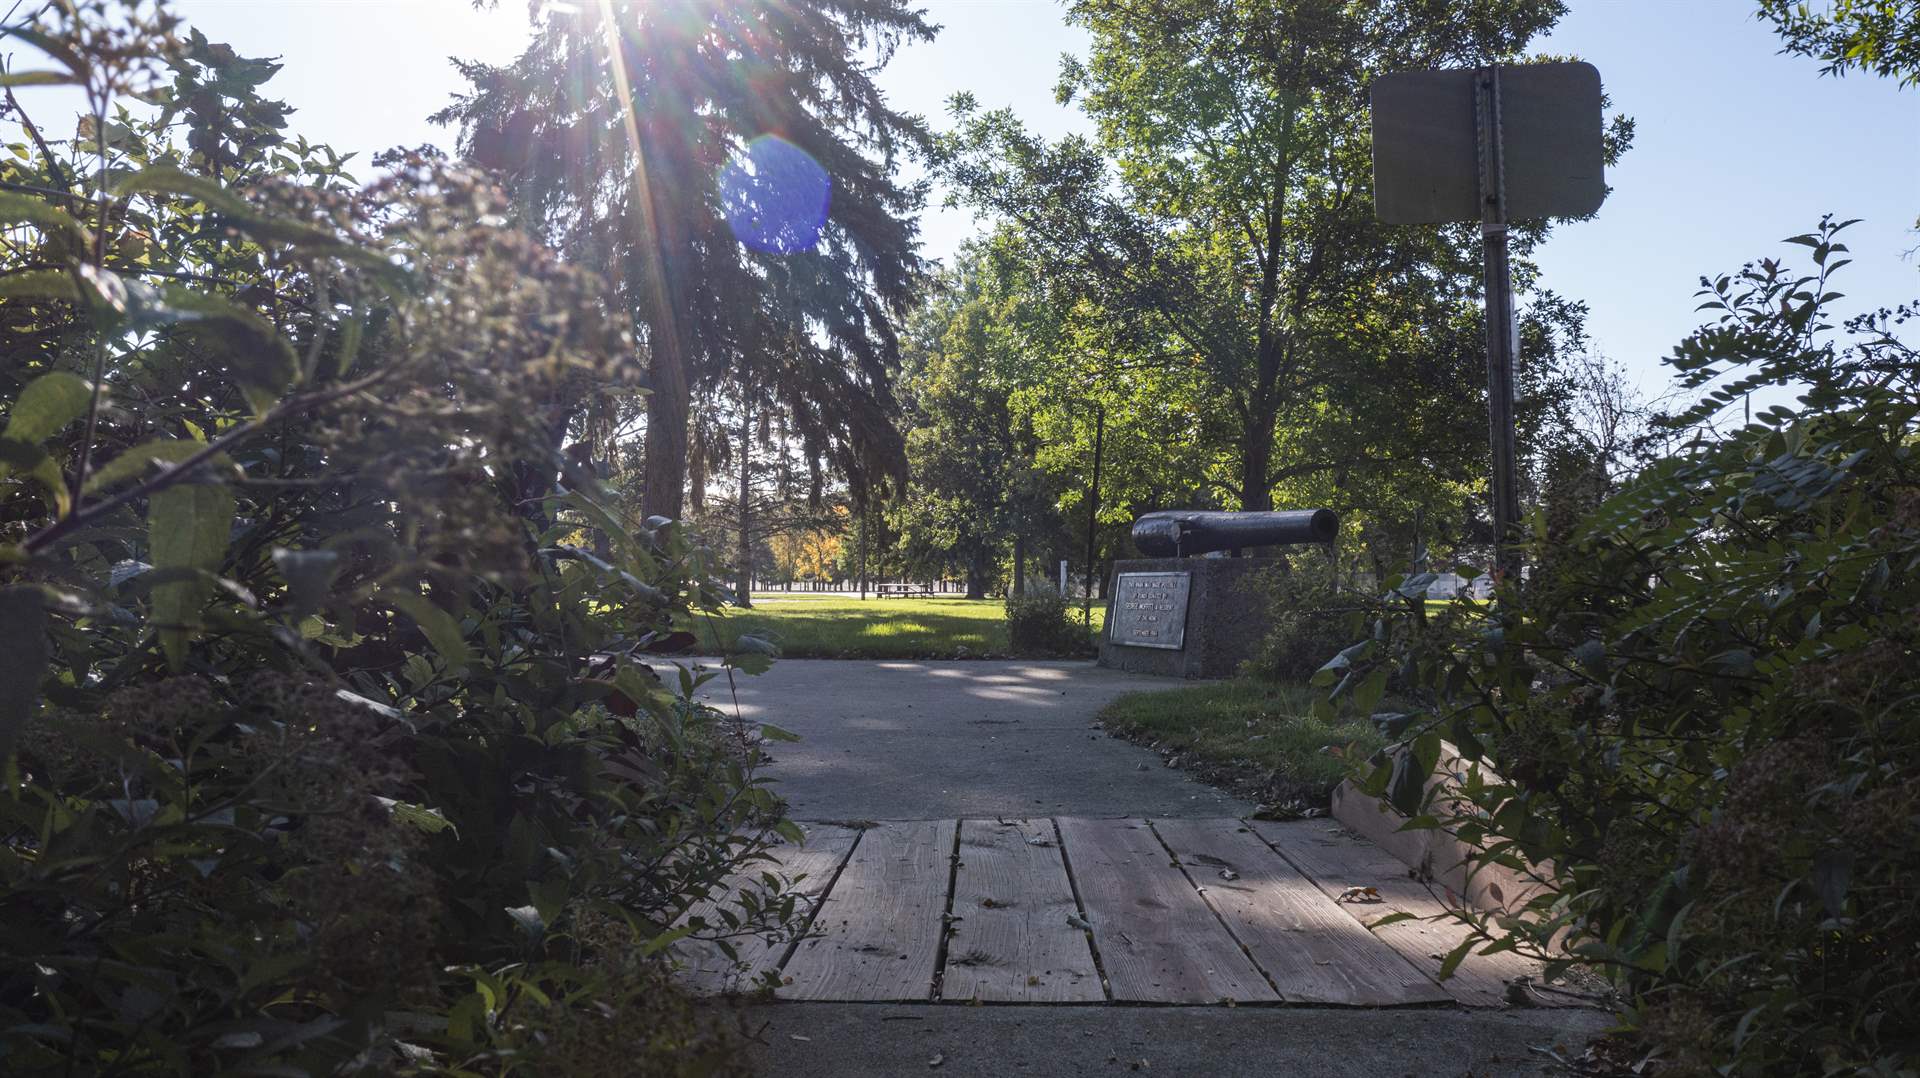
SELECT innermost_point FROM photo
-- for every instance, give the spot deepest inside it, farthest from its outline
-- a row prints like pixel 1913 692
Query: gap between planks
pixel 1334 860
pixel 879 928
pixel 1311 951
pixel 810 869
pixel 979 911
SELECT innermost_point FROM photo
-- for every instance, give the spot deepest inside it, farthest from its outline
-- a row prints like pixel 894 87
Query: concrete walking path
pixel 1009 744
pixel 912 740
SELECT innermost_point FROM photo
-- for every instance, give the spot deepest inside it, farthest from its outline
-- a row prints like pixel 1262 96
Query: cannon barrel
pixel 1185 532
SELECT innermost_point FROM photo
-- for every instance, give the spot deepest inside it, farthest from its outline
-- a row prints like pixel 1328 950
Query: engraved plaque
pixel 1150 610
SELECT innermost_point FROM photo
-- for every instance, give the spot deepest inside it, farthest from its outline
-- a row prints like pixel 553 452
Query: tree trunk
pixel 1256 459
pixel 863 552
pixel 665 261
pixel 977 576
pixel 1019 585
pixel 745 588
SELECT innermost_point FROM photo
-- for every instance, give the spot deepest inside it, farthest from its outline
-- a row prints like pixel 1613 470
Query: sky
pixel 1737 147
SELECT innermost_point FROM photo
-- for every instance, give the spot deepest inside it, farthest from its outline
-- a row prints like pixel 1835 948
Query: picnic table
pixel 903 591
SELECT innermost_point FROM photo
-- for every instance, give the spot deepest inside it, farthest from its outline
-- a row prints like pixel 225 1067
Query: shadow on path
pixel 911 740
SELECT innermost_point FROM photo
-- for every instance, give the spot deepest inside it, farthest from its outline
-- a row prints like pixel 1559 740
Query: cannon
pixel 1182 533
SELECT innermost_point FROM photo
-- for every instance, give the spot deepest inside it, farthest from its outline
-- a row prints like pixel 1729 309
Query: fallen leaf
pixel 936 1060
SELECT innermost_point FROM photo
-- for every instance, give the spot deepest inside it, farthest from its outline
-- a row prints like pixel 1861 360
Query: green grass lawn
pixel 813 625
pixel 1258 739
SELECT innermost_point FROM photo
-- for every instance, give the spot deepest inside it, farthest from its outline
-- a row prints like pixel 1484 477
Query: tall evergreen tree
pixel 731 167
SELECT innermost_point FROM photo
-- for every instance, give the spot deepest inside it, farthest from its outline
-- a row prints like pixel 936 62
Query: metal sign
pixel 1150 610
pixel 1427 144
pixel 1494 144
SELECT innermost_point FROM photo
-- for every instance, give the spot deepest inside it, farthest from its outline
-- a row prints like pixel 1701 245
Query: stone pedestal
pixel 1185 617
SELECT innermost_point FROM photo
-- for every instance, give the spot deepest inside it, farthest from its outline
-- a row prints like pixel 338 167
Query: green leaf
pixel 259 360
pixel 36 78
pixel 664 940
pixel 1407 784
pixel 441 628
pixel 19 458
pixel 1426 752
pixel 1368 695
pixel 750 663
pixel 18 209
pixel 1452 961
pixel 465 1017
pixel 40 284
pixel 52 46
pixel 23 640
pixel 430 820
pixel 169 180
pixel 775 733
pixel 1390 919
pixel 528 919
pixel 46 404
pixel 187 528
pixel 309 575
pixel 134 462
pixel 757 645
pixel 1832 874
pixel 1592 657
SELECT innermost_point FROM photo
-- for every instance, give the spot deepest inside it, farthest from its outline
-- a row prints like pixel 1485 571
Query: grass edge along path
pixel 834 625
pixel 1256 739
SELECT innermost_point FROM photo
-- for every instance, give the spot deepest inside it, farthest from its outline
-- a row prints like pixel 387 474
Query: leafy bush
pixel 1311 619
pixel 1041 624
pixel 323 751
pixel 1706 705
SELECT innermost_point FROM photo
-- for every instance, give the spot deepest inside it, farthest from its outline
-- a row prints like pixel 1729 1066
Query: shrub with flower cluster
pixel 324 749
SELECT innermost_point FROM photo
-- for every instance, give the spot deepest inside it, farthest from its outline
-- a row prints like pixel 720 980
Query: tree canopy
pixel 731 168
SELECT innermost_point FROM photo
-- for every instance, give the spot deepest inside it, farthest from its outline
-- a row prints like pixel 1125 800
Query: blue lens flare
pixel 775 196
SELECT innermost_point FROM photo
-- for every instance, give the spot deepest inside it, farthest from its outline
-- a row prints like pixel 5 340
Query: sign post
pixel 1493 145
pixel 1503 327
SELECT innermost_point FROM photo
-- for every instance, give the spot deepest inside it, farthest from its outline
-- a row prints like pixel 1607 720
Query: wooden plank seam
pixel 1080 905
pixel 946 915
pixel 819 903
pixel 1211 908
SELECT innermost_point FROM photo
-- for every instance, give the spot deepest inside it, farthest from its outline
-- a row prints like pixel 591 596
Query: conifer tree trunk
pixel 745 588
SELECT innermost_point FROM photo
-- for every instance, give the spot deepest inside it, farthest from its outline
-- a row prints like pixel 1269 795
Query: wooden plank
pixel 1438 854
pixel 1009 940
pixel 808 867
pixel 1335 860
pixel 1158 940
pixel 880 925
pixel 1311 950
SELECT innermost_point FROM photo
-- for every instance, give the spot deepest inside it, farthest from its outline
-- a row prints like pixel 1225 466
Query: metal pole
pixel 1502 329
pixel 1093 508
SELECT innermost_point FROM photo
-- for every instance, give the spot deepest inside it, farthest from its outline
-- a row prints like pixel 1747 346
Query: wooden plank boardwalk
pixel 1089 910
